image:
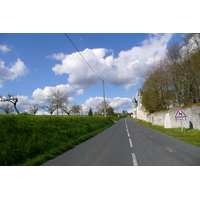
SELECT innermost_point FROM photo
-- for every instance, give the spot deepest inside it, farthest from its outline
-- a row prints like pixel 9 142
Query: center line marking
pixel 128 134
pixel 131 145
pixel 134 160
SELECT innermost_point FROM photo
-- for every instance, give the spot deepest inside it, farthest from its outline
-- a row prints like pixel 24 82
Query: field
pixel 32 140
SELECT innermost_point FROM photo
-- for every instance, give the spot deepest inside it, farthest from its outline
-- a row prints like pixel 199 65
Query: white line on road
pixel 134 160
pixel 131 145
pixel 126 124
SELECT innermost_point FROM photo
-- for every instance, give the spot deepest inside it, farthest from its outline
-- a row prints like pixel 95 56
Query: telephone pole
pixel 104 100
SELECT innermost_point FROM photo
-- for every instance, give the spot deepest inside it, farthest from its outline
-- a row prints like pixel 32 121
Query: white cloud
pixel 80 75
pixel 17 69
pixel 40 95
pixel 58 56
pixel 125 70
pixel 91 102
pixel 4 48
pixel 120 103
pixel 117 103
pixel 24 100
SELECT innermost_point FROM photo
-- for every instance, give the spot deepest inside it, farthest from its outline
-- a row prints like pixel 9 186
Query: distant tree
pixel 12 99
pixel 7 108
pixel 124 112
pixel 57 98
pixel 67 108
pixel 90 112
pixel 76 109
pixel 100 107
pixel 110 110
pixel 174 80
pixel 49 108
pixel 34 108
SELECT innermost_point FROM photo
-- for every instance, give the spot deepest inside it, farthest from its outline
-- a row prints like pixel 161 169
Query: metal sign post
pixel 180 116
pixel 181 126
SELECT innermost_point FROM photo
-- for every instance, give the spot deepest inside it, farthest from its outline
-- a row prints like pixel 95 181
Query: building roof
pixel 134 100
pixel 139 92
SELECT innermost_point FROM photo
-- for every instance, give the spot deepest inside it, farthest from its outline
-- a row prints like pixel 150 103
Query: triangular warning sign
pixel 180 114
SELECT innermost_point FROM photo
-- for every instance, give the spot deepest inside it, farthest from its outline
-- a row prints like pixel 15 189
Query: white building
pixel 139 111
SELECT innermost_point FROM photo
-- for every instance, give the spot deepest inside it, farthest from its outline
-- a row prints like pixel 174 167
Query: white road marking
pixel 131 145
pixel 134 160
pixel 126 124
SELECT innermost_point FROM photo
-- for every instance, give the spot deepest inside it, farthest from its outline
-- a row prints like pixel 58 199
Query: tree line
pixel 175 79
pixel 57 101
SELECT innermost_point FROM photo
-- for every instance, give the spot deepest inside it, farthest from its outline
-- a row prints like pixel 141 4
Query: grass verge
pixel 32 140
pixel 191 136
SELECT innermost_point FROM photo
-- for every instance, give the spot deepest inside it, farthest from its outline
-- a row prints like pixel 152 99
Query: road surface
pixel 128 143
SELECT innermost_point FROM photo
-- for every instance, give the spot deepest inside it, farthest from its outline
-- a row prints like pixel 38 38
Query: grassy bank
pixel 32 140
pixel 191 136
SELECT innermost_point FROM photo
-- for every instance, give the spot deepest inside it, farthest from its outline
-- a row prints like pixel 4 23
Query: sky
pixel 27 62
pixel 33 63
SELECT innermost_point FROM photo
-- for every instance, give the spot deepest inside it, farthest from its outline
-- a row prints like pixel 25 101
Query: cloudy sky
pixel 32 64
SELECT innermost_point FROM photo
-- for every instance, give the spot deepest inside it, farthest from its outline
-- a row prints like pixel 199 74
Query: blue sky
pixel 31 64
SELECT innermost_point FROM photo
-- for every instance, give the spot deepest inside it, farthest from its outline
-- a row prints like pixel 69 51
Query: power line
pixel 83 57
pixel 94 73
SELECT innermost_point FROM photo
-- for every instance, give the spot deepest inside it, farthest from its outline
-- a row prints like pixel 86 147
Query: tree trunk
pixel 15 106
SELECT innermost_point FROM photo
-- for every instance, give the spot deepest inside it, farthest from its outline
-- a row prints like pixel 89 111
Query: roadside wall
pixel 167 120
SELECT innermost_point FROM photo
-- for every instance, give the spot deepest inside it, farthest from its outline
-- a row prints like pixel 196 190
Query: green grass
pixel 191 136
pixel 32 140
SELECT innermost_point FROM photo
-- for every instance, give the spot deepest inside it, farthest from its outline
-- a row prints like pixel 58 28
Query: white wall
pixel 167 119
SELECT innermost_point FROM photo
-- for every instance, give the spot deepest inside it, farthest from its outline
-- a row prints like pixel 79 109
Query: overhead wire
pixel 83 57
pixel 89 66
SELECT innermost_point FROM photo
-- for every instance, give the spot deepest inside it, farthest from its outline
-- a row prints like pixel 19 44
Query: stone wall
pixel 167 119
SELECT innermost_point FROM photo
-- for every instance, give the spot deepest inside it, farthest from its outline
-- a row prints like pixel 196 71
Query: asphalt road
pixel 128 143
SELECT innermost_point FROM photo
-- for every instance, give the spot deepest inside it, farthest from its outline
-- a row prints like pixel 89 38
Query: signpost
pixel 180 116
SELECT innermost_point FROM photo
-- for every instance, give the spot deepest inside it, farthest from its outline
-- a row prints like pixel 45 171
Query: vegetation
pixel 6 107
pixel 174 80
pixel 32 140
pixel 116 117
pixel 90 112
pixel 191 136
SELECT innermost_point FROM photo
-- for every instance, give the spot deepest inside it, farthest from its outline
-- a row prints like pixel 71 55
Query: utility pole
pixel 104 100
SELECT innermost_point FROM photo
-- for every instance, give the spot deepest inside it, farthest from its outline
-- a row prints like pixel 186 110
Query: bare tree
pixel 67 108
pixel 100 107
pixel 6 107
pixel 76 109
pixel 34 108
pixel 57 98
pixel 49 108
pixel 12 99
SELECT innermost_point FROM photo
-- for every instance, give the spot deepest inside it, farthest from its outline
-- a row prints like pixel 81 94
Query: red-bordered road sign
pixel 180 114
